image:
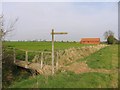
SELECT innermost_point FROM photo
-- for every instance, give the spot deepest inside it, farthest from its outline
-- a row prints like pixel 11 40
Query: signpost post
pixel 53 33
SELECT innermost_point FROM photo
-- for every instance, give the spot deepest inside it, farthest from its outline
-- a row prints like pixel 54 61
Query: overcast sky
pixel 79 19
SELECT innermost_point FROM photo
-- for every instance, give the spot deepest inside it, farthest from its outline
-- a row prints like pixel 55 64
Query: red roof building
pixel 90 41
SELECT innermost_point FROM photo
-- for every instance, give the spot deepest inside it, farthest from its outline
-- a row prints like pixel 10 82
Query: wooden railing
pixel 41 58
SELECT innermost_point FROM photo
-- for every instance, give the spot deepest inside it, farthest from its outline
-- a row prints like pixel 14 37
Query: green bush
pixel 110 39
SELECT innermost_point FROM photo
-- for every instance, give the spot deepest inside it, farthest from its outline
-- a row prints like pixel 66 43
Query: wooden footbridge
pixel 38 62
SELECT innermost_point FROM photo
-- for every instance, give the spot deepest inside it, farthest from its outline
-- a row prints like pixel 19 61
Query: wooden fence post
pixel 14 55
pixel 41 60
pixel 52 51
pixel 26 58
pixel 57 61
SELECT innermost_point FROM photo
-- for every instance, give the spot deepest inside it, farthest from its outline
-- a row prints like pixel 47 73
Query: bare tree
pixel 5 30
pixel 5 57
pixel 108 33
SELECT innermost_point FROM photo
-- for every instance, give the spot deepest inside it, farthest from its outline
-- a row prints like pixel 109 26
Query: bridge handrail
pixel 26 55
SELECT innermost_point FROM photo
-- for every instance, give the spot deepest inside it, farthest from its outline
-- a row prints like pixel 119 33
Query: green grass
pixel 67 80
pixel 42 45
pixel 105 58
pixel 38 46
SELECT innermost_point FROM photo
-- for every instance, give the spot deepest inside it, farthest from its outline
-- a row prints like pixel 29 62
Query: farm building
pixel 90 41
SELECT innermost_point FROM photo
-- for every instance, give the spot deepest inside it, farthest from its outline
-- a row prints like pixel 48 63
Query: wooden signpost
pixel 53 33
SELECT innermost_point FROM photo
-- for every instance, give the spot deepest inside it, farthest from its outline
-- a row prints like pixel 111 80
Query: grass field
pixel 38 46
pixel 42 45
pixel 106 58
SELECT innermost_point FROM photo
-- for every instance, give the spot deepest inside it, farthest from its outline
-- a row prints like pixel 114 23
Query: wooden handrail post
pixel 14 55
pixel 26 58
pixel 41 60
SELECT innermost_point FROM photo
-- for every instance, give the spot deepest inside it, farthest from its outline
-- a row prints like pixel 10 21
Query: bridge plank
pixel 33 66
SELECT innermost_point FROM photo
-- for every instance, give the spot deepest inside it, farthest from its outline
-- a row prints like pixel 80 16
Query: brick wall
pixel 90 41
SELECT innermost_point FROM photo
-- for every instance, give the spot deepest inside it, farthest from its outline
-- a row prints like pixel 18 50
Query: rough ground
pixel 70 55
pixel 82 67
pixel 66 57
